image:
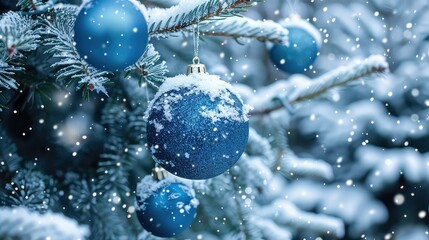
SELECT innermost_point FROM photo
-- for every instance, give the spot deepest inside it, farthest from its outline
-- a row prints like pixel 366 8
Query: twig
pixel 373 65
pixel 220 8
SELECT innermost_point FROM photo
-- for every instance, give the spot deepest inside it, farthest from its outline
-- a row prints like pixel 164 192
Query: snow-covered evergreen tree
pixel 338 151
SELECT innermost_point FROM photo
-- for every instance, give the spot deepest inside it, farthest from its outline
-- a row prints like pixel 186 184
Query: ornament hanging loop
pixel 196 66
pixel 196 60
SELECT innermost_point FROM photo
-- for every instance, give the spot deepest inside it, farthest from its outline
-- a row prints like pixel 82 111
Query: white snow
pixel 222 112
pixel 386 166
pixel 158 126
pixel 285 212
pixel 147 186
pixel 303 24
pixel 20 223
pixel 157 15
pixel 354 204
pixel 291 165
pixel 341 75
pixel 271 230
pixel 210 85
pixel 364 113
pixel 141 7
pixel 243 26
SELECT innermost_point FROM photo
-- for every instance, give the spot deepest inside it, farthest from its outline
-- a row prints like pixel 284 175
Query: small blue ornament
pixel 165 208
pixel 111 34
pixel 197 126
pixel 300 54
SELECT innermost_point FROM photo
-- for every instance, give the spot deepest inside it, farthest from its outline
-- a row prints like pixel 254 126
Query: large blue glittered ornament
pixel 111 34
pixel 300 54
pixel 197 126
pixel 165 208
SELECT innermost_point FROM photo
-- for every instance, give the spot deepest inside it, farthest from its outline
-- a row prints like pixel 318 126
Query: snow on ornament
pixel 197 125
pixel 166 207
pixel 111 34
pixel 304 41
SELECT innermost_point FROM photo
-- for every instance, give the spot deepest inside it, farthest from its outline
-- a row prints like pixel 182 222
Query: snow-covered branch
pixel 8 154
pixel 350 202
pixel 368 68
pixel 35 6
pixel 31 189
pixel 242 27
pixel 286 213
pixel 58 33
pixel 384 167
pixel 271 230
pixel 373 65
pixel 293 167
pixel 189 12
pixel 147 69
pixel 260 146
pixel 17 34
pixel 19 223
pixel 6 73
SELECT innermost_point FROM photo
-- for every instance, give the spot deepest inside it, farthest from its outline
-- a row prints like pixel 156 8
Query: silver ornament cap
pixel 196 67
pixel 159 173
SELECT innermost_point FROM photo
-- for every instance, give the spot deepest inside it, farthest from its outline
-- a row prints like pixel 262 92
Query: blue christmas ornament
pixel 197 126
pixel 165 208
pixel 111 34
pixel 300 54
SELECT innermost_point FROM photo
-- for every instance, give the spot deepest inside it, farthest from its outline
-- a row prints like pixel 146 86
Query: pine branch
pixel 31 189
pixel 83 194
pixel 147 70
pixel 373 65
pixel 6 75
pixel 271 230
pixel 293 167
pixel 189 12
pixel 9 158
pixel 93 205
pixel 242 27
pixel 122 118
pixel 247 229
pixel 281 212
pixel 251 171
pixel 259 146
pixel 113 166
pixel 29 4
pixel 286 213
pixel 35 6
pixel 369 68
pixel 58 32
pixel 137 100
pixel 19 223
pixel 124 124
pixel 18 33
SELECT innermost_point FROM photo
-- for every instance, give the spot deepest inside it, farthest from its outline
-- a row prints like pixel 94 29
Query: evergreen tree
pixel 336 150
